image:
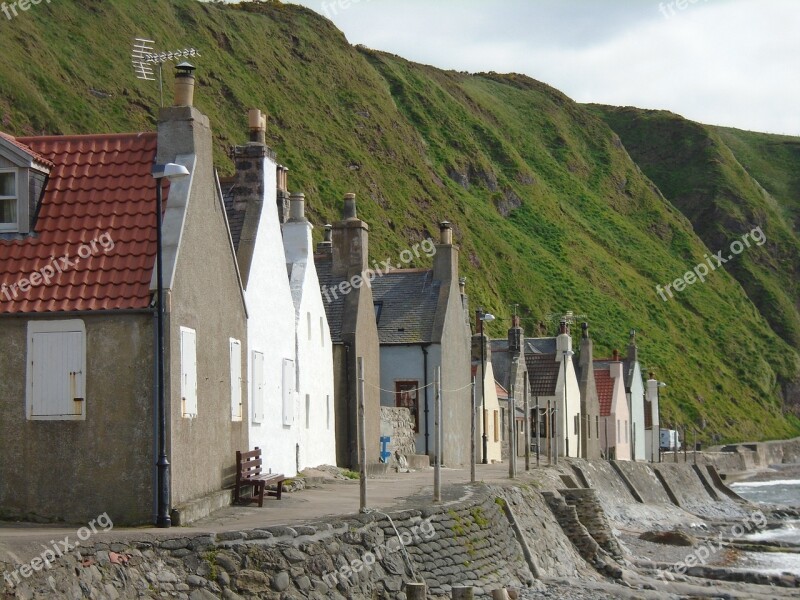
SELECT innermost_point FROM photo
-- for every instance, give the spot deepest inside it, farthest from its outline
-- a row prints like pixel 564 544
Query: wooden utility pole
pixel 472 443
pixel 362 435
pixel 437 436
pixel 512 446
pixel 527 409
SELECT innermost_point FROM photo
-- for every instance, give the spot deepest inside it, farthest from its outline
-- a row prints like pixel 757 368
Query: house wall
pixel 403 363
pixel 636 403
pixel 205 296
pixel 573 409
pixel 488 408
pixel 651 441
pixel 107 460
pixel 314 352
pixel 619 408
pixel 271 331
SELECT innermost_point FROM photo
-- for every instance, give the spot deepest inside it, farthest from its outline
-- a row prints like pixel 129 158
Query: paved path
pixel 338 498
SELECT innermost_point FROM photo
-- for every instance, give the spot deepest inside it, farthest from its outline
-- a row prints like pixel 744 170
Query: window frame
pixel 414 383
pixel 237 408
pixel 187 414
pixel 12 227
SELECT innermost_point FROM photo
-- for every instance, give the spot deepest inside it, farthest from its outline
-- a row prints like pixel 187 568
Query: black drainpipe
pixel 425 383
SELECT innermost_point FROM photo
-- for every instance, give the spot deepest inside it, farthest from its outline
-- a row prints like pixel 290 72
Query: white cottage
pixel 314 359
pixel 250 202
pixel 554 383
pixel 634 388
pixel 614 416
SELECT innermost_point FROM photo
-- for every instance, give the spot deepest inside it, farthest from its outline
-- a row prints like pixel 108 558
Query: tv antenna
pixel 568 316
pixel 143 58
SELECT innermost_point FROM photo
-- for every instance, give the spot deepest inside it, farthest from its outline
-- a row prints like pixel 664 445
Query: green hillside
pixel 551 212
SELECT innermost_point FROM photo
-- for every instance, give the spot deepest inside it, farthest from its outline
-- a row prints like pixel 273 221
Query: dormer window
pixel 9 200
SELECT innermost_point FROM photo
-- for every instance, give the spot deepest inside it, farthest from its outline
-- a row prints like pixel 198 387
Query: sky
pixel 722 62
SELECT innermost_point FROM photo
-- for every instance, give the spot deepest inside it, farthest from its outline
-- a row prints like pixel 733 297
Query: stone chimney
pixel 253 183
pixel 282 182
pixel 350 241
pixel 633 350
pixel 297 232
pixel 326 246
pixel 615 369
pixel 563 340
pixel 184 84
pixel 445 262
pixel 476 348
pixel 515 336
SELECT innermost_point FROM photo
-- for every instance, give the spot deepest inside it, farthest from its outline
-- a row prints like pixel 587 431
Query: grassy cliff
pixel 551 212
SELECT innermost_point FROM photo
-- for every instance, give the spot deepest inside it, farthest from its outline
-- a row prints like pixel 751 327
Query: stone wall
pixel 469 542
pixel 399 426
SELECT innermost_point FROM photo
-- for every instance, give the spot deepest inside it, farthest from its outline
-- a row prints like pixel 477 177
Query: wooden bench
pixel 248 473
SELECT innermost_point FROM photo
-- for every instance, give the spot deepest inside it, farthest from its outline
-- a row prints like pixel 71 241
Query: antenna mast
pixel 143 57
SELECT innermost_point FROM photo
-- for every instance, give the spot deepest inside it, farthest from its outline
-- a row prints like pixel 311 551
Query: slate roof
pixel 605 389
pixel 540 345
pixel 334 303
pixel 501 360
pixel 99 184
pixel 408 298
pixel 235 217
pixel 543 373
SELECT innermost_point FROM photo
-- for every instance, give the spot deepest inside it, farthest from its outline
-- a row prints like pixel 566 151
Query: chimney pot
pixel 297 207
pixel 615 355
pixel 446 231
pixel 349 211
pixel 462 284
pixel 562 328
pixel 585 328
pixel 257 122
pixel 326 236
pixel 184 84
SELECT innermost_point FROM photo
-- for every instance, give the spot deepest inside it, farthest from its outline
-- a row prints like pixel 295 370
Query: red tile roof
pixel 100 188
pixel 502 392
pixel 605 390
pixel 36 156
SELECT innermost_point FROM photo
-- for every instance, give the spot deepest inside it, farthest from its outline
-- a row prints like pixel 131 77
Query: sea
pixel 778 491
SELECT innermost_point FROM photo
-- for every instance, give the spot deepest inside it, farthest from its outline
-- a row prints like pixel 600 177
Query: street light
pixel 566 354
pixel 159 172
pixel 484 316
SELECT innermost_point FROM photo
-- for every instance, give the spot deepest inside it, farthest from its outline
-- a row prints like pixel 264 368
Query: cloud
pixel 728 62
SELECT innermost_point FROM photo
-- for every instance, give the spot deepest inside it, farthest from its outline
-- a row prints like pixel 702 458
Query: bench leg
pixel 261 488
pixel 280 489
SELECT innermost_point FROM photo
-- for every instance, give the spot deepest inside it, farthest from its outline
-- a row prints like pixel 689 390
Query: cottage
pixel 590 404
pixel 614 416
pixel 634 388
pixel 423 326
pixel 489 431
pixel 554 384
pixel 342 266
pixel 508 363
pixel 78 324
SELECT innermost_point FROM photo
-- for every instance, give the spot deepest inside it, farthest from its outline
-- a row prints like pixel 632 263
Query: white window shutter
pixel 288 390
pixel 258 387
pixel 56 370
pixel 236 379
pixel 188 372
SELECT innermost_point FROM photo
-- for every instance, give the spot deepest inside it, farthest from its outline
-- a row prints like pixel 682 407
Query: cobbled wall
pixel 461 543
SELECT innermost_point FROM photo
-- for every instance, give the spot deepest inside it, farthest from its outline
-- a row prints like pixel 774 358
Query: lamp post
pixel 484 316
pixel 566 354
pixel 159 172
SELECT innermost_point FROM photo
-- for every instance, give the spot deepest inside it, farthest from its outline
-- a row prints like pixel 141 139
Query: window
pixel 258 387
pixel 308 411
pixel 597 426
pixel 626 432
pixel 496 426
pixel 56 371
pixel 188 373
pixel 575 424
pixel 236 379
pixel 328 407
pixel 406 395
pixel 288 392
pixel 503 422
pixel 322 332
pixel 619 436
pixel 378 309
pixel 308 325
pixel 8 200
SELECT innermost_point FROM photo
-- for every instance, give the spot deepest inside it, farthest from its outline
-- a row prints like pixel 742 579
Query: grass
pixel 549 209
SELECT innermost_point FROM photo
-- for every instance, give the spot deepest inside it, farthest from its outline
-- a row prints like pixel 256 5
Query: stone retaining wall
pixel 463 543
pixel 399 426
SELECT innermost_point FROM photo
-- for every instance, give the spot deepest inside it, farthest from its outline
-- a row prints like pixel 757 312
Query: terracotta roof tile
pixel 605 390
pixel 100 189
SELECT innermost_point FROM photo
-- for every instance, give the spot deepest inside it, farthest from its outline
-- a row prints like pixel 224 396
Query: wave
pixel 765 483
